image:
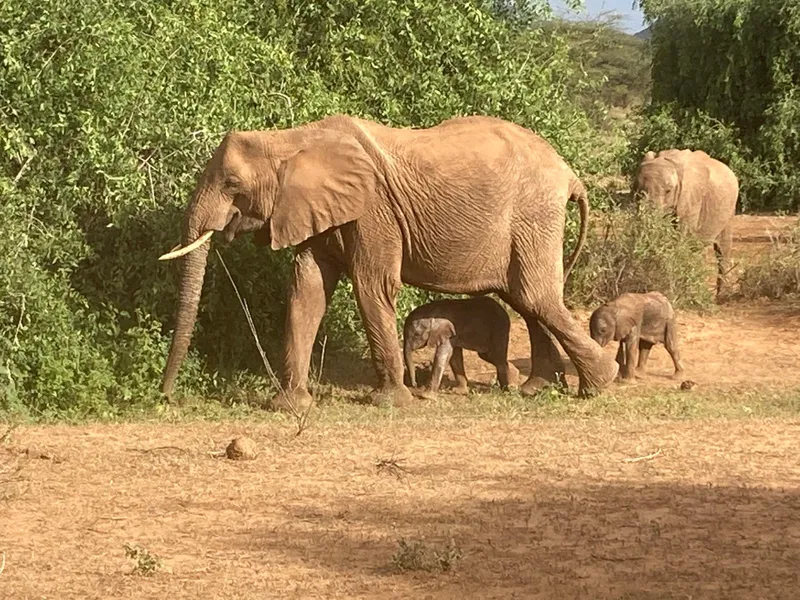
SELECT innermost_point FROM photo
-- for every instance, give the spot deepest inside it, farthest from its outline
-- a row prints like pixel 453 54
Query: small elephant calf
pixel 450 326
pixel 637 322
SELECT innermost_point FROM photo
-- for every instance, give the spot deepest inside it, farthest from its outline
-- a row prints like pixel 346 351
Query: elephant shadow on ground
pixel 587 538
pixel 347 370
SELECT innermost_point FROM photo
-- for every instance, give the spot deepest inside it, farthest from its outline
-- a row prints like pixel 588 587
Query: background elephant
pixel 699 190
pixel 638 322
pixel 473 205
pixel 453 325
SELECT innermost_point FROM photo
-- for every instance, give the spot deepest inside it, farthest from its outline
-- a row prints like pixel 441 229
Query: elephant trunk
pixel 192 274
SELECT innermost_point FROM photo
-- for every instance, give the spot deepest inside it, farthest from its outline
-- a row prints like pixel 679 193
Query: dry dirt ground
pixel 641 508
pixel 536 510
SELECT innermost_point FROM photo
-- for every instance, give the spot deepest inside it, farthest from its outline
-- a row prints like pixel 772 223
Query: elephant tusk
pixel 178 251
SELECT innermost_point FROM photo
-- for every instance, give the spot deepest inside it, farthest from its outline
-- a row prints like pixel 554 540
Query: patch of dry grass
pixel 776 273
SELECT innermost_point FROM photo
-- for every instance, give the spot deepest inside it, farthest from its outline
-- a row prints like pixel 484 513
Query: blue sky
pixel 631 22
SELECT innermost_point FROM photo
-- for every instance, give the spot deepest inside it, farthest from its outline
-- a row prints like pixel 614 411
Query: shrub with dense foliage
pixel 109 110
pixel 776 275
pixel 640 250
pixel 726 79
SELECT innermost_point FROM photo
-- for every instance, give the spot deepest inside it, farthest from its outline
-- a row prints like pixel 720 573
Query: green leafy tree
pixel 108 110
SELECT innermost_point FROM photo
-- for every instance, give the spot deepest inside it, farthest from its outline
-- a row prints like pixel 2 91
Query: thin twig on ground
pixel 3 563
pixel 301 417
pixel 616 558
pixel 641 458
pixel 391 466
pixel 157 449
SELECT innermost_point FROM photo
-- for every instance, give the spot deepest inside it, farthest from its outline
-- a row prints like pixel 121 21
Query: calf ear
pixel 443 332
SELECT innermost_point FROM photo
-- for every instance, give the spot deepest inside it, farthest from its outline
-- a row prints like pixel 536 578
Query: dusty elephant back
pixel 461 309
pixel 498 185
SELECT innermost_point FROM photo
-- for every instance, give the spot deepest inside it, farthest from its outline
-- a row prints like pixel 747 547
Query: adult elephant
pixel 701 192
pixel 472 205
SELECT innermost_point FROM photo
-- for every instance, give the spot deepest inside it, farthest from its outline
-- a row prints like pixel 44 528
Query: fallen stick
pixel 641 458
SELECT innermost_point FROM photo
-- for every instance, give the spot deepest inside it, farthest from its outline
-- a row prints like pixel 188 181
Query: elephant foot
pixel 678 374
pixel 398 397
pixel 592 381
pixel 460 389
pixel 297 401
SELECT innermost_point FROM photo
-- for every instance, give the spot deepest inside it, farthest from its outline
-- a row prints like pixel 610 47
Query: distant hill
pixel 618 64
pixel 644 34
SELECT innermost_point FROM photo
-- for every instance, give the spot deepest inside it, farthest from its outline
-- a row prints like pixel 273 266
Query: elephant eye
pixel 232 183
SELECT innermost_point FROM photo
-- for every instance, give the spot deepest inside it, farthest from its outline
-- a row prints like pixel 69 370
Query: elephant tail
pixel 580 196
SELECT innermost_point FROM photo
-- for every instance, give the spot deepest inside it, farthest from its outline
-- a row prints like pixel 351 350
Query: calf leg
pixel 460 375
pixel 671 344
pixel 631 356
pixel 443 353
pixel 644 354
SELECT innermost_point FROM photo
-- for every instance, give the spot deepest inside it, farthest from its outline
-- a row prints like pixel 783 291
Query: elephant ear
pixel 330 181
pixel 692 183
pixel 441 330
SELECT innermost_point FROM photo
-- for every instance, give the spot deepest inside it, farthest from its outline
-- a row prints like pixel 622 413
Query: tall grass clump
pixel 639 249
pixel 776 274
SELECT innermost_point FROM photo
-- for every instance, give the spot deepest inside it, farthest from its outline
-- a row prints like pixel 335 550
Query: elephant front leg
pixel 313 283
pixel 722 249
pixel 376 302
pixel 444 351
pixel 631 356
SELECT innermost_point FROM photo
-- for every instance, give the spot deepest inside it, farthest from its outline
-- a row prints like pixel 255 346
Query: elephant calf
pixel 478 324
pixel 638 322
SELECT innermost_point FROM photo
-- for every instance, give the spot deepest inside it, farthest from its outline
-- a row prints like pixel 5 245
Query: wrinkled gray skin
pixel 453 325
pixel 638 322
pixel 699 191
pixel 474 205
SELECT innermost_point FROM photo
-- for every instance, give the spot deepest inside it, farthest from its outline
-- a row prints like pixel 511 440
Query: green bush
pixel 108 111
pixel 640 250
pixel 777 274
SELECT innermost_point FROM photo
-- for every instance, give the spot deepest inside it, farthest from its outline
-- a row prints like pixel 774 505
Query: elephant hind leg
pixel 547 365
pixel 723 246
pixel 507 373
pixel 644 354
pixel 545 313
pixel 459 373
pixel 671 344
